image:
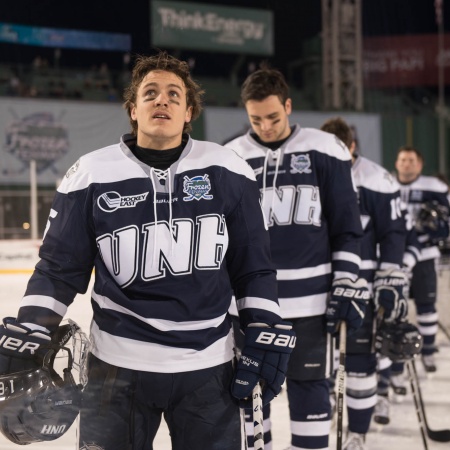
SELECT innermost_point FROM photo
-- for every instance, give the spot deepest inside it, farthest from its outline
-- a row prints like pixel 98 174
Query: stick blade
pixel 439 435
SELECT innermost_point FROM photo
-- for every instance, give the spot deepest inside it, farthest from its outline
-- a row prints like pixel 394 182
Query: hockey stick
pixel 258 420
pixel 340 378
pixel 419 411
pixel 434 435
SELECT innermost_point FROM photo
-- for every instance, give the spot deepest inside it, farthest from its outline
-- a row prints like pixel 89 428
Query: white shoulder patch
pixel 106 165
pixel 312 139
pixel 427 183
pixel 370 175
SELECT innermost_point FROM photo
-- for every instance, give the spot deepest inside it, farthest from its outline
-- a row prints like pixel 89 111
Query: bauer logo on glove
pixel 264 357
pixel 347 303
pixel 390 291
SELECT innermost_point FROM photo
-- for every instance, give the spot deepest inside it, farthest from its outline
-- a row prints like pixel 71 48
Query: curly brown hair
pixel 339 127
pixel 162 61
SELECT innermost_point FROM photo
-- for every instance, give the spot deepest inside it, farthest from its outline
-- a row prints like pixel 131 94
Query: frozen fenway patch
pixel 197 188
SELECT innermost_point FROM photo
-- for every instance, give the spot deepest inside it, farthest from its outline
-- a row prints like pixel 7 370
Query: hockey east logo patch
pixel 197 188
pixel 300 164
pixel 112 201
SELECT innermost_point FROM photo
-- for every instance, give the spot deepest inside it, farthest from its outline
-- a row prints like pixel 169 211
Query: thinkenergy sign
pixel 201 26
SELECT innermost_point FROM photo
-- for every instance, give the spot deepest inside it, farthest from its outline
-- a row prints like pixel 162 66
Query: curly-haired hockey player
pixel 311 209
pixel 173 228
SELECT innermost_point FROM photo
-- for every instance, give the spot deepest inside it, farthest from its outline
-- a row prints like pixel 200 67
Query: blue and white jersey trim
pixel 152 357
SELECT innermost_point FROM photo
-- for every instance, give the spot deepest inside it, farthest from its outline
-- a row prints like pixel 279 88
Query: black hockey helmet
pixel 399 341
pixel 432 219
pixel 37 404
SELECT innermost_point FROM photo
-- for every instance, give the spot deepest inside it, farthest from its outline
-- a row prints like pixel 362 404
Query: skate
pixel 355 441
pixel 381 413
pixel 398 384
pixel 429 363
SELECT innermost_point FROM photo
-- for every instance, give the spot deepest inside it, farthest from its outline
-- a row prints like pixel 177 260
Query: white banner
pixel 55 134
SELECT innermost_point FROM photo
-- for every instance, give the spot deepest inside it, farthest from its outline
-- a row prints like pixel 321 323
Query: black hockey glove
pixel 20 347
pixel 348 302
pixel 390 289
pixel 264 357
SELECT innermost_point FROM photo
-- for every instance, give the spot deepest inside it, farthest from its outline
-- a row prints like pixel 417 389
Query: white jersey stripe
pixel 151 357
pixel 310 305
pixel 346 256
pixel 305 273
pixel 160 324
pixel 44 301
pixel 256 302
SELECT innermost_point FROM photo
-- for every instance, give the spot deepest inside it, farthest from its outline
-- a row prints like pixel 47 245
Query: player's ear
pixel 288 106
pixel 188 116
pixel 133 112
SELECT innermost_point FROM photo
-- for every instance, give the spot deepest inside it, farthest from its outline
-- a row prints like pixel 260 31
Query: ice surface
pixel 401 434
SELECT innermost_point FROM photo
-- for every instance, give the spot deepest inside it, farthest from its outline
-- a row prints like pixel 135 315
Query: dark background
pixel 294 21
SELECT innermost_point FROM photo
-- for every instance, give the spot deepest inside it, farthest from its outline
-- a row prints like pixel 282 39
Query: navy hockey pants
pixel 122 409
pixel 423 291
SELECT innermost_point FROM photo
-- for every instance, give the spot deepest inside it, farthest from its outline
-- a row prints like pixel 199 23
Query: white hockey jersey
pixel 311 209
pixel 168 255
pixel 424 189
pixel 382 219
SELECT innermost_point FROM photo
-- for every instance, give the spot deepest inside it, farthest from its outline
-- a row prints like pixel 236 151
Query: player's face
pixel 408 166
pixel 269 118
pixel 161 110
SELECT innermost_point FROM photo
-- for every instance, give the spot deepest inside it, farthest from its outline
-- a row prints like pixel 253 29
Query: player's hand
pixel 390 288
pixel 264 357
pixel 20 347
pixel 348 302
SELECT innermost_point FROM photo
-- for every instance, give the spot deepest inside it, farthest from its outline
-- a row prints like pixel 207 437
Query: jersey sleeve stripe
pixel 44 301
pixel 346 256
pixel 339 274
pixel 258 303
pixel 306 306
pixel 305 273
pixel 368 264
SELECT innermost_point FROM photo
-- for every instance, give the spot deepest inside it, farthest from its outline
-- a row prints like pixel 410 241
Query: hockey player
pixel 420 192
pixel 172 227
pixel 391 374
pixel 311 210
pixel 382 250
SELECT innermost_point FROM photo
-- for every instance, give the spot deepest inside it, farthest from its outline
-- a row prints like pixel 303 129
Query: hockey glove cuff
pixel 264 357
pixel 20 347
pixel 390 289
pixel 348 302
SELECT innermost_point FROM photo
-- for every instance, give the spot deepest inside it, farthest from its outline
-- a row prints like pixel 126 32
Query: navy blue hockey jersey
pixel 424 189
pixel 168 255
pixel 310 206
pixel 383 244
